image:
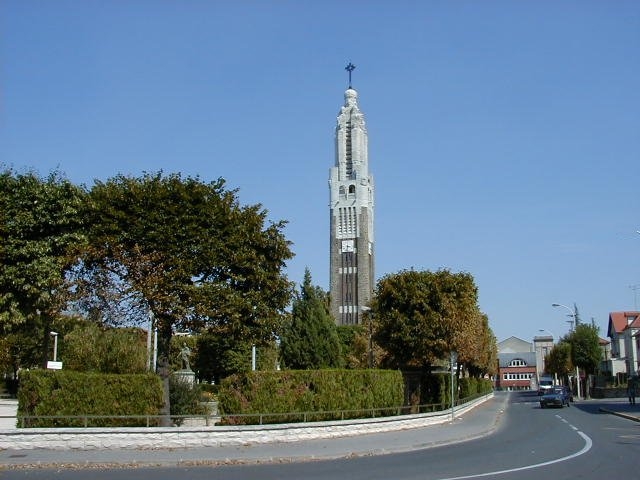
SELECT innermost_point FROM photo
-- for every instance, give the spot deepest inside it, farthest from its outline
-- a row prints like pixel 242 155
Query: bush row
pixel 436 389
pixel 472 387
pixel 329 394
pixel 69 393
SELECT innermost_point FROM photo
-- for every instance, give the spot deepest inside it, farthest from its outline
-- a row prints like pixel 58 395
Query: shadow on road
pixel 596 406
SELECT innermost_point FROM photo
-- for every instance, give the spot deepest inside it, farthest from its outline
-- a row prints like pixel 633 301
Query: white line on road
pixel 587 446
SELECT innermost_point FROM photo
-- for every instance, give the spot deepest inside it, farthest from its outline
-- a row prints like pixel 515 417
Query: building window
pixel 518 363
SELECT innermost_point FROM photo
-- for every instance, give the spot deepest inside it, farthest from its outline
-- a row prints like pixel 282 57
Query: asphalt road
pixel 529 443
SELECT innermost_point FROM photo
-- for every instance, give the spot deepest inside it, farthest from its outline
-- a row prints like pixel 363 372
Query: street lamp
pixel 55 345
pixel 571 314
pixel 367 310
pixel 454 358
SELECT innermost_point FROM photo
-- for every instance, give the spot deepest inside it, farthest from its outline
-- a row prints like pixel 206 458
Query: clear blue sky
pixel 504 136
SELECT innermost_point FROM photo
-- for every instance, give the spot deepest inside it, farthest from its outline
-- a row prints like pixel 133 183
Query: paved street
pixel 508 435
pixel 479 422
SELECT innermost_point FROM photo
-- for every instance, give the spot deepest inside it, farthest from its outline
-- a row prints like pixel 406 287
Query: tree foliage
pixel 585 347
pixel 218 355
pixel 41 232
pixel 422 316
pixel 558 361
pixel 310 340
pixel 95 348
pixel 189 253
pixel 483 359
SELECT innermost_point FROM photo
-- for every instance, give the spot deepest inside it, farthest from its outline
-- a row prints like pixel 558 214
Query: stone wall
pixel 600 392
pixel 183 437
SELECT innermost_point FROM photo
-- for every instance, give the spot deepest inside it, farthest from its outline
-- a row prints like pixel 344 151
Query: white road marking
pixel 587 446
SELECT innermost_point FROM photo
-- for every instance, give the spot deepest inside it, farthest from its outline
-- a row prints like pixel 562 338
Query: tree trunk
pixel 43 320
pixel 164 349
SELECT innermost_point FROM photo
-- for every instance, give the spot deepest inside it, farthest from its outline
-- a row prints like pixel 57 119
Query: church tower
pixel 351 216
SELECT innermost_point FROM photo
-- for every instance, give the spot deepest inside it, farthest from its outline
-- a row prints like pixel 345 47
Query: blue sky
pixel 503 136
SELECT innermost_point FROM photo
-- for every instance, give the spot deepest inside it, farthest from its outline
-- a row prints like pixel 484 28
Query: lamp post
pixel 571 314
pixel 55 345
pixel 253 358
pixel 367 311
pixel 454 358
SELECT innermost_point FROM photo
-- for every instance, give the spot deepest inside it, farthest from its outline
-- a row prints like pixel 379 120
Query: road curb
pixel 620 414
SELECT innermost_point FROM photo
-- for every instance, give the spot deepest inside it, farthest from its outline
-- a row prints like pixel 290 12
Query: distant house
pixel 605 361
pixel 516 365
pixel 624 332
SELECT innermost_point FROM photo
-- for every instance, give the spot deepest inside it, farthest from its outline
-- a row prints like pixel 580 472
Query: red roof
pixel 618 321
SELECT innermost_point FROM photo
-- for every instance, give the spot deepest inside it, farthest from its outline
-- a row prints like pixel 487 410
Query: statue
pixel 185 353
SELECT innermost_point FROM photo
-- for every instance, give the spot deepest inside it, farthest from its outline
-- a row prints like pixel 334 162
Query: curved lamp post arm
pixel 571 314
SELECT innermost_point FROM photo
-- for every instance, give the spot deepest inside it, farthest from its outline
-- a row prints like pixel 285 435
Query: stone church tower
pixel 351 216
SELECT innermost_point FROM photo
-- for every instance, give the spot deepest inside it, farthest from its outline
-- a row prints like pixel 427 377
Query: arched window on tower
pixel 352 189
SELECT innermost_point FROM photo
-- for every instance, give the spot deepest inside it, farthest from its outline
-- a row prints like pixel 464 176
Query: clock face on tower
pixel 347 246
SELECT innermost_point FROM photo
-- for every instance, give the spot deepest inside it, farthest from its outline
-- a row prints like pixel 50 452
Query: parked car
pixel 556 397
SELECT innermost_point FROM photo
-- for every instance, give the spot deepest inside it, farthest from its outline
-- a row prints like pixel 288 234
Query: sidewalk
pixel 475 423
pixel 620 407
pixel 8 408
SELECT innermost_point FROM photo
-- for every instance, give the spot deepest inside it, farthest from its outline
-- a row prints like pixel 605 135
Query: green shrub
pixel 184 398
pixel 484 386
pixel 210 388
pixel 94 348
pixel 310 395
pixel 436 390
pixel 468 387
pixel 68 393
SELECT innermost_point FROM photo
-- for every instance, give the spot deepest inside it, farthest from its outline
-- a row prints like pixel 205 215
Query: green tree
pixel 41 233
pixel 18 349
pixel 558 361
pixel 585 347
pixel 310 340
pixel 96 348
pixel 422 316
pixel 188 252
pixel 218 356
pixel 484 360
pixel 353 345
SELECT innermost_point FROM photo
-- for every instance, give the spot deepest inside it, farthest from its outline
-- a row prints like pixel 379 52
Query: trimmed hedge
pixel 437 389
pixel 69 393
pixel 471 386
pixel 293 394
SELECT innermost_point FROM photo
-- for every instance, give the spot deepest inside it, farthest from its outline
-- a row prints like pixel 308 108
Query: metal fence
pixel 86 421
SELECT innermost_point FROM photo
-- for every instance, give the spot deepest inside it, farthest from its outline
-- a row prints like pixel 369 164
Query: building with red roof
pixel 624 332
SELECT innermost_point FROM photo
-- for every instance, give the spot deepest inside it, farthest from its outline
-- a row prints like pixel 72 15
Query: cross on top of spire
pixel 350 68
